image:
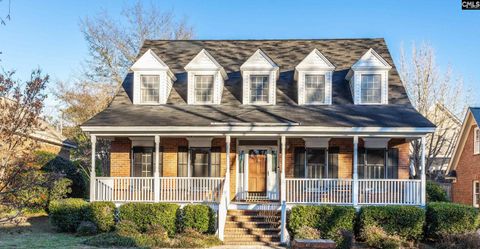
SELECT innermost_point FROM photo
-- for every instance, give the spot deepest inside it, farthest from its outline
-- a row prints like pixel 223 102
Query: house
pixel 260 125
pixel 444 140
pixel 51 140
pixel 464 167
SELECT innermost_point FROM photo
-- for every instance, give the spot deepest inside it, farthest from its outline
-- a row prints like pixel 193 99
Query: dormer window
pixel 260 76
pixel 149 89
pixel 205 79
pixel 152 80
pixel 368 79
pixel 371 88
pixel 259 89
pixel 314 79
pixel 204 89
pixel 314 88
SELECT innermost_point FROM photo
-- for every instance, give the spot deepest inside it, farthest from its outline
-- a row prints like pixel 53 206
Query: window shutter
pixel 215 162
pixel 299 162
pixel 361 163
pixel 160 161
pixel 182 161
pixel 392 163
pixel 333 162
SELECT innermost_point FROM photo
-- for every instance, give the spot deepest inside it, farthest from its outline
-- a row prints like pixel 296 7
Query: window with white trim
pixel 314 88
pixel 149 88
pixel 371 88
pixel 476 193
pixel 476 144
pixel 259 89
pixel 204 88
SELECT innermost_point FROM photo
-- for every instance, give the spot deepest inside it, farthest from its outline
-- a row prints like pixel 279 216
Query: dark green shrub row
pixel 405 221
pixel 198 217
pixel 449 218
pixel 67 214
pixel 330 220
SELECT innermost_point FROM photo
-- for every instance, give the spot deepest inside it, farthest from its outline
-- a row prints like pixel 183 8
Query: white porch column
pixel 355 172
pixel 93 140
pixel 156 173
pixel 227 161
pixel 423 177
pixel 283 194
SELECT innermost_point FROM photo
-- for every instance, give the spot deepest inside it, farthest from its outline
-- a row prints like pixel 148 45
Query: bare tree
pixel 440 97
pixel 6 17
pixel 21 104
pixel 114 44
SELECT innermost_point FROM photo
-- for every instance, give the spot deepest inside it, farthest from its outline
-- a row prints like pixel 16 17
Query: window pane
pixel 149 88
pixel 200 162
pixel 259 89
pixel 314 88
pixel 371 88
pixel 182 161
pixel 204 88
pixel 142 162
pixel 315 163
pixel 373 165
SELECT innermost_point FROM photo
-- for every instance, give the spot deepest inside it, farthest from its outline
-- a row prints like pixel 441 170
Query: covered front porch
pixel 363 169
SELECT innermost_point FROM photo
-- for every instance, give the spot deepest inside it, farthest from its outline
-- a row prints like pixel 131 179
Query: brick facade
pixel 120 157
pixel 468 170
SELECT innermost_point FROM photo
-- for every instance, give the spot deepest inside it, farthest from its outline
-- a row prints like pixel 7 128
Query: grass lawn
pixel 36 232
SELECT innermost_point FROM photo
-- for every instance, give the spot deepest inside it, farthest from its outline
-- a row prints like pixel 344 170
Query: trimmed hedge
pixel 148 214
pixel 450 218
pixel 330 220
pixel 67 214
pixel 198 217
pixel 102 214
pixel 404 221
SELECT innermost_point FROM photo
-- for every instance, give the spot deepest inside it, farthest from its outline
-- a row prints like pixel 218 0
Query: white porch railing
pixel 172 189
pixel 389 191
pixel 330 191
pixel 340 191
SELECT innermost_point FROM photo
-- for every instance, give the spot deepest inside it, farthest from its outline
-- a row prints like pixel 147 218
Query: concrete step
pixel 251 224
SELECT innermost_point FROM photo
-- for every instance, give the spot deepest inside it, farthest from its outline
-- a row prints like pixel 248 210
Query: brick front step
pixel 253 212
pixel 251 238
pixel 252 231
pixel 250 224
pixel 253 218
pixel 243 243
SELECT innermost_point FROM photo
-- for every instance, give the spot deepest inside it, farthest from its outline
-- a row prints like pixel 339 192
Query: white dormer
pixel 369 79
pixel 152 80
pixel 314 79
pixel 205 79
pixel 260 76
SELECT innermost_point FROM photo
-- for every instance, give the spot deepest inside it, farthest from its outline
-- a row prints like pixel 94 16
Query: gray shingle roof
pixel 343 53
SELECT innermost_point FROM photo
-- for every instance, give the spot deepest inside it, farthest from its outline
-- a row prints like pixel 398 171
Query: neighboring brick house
pixel 464 168
pixel 51 140
pixel 261 124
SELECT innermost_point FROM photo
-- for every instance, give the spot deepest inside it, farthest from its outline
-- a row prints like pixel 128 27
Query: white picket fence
pixel 172 189
pixel 340 191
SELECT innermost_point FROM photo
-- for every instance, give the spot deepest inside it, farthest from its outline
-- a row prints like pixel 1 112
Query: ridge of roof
pixel 284 39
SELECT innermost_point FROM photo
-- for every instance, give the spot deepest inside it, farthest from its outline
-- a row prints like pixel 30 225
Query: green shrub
pixel 87 228
pixel 198 217
pixel 449 218
pixel 126 228
pixel 111 240
pixel 306 232
pixel 67 214
pixel 147 214
pixel 404 221
pixel 376 237
pixel 435 193
pixel 330 220
pixel 102 214
pixel 193 239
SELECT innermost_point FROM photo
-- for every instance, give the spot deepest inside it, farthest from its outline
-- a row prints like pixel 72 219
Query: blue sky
pixel 46 34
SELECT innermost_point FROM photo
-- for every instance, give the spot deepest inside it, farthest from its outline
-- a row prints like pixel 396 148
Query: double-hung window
pixel 259 89
pixel 315 162
pixel 314 88
pixel 149 88
pixel 204 162
pixel 476 193
pixel 143 161
pixel 371 88
pixel 476 137
pixel 204 88
pixel 378 163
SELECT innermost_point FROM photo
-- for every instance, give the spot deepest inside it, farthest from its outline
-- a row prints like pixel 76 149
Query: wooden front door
pixel 257 165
